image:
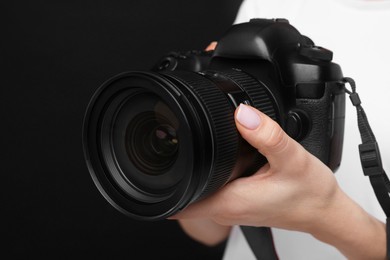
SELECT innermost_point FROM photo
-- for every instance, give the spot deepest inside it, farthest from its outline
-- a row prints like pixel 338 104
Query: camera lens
pixel 152 143
pixel 140 142
pixel 156 142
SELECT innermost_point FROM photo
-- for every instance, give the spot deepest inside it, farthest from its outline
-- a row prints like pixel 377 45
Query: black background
pixel 54 55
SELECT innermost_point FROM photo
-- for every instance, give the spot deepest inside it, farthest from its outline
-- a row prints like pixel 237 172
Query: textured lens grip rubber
pixel 224 132
pixel 256 91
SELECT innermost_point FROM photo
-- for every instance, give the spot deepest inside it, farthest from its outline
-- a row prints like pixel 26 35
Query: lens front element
pixel 152 143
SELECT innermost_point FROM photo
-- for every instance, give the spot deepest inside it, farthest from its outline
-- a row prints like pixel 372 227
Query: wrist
pixel 349 228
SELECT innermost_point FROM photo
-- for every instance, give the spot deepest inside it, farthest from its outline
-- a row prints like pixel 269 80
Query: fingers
pixel 226 203
pixel 269 138
pixel 212 46
pixel 203 209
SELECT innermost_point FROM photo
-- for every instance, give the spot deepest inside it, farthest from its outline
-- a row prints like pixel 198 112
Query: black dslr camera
pixel 155 141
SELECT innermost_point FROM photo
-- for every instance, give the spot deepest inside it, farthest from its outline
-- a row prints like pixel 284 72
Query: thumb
pixel 268 138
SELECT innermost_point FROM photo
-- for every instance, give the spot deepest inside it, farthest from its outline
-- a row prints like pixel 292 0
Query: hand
pixel 293 191
pixel 288 192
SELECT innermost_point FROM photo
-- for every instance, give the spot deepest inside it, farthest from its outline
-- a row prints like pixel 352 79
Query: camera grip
pixel 326 116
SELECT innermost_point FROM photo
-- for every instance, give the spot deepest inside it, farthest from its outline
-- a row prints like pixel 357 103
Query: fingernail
pixel 247 117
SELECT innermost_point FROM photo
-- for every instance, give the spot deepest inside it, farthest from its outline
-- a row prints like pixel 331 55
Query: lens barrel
pixel 155 142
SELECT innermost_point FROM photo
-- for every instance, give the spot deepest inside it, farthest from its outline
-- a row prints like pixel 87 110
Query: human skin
pixel 294 191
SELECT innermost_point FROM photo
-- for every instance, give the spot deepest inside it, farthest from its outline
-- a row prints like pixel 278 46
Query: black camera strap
pixel 260 238
pixel 261 242
pixel 370 158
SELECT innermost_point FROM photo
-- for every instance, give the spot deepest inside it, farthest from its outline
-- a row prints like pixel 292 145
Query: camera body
pixel 156 141
pixel 309 98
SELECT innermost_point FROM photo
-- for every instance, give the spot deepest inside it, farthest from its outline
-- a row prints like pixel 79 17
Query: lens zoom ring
pixel 225 133
pixel 256 90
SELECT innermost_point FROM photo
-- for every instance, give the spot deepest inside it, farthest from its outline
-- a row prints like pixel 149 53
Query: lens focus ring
pixel 224 130
pixel 256 91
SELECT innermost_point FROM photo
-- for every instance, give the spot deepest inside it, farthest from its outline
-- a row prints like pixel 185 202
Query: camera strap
pixel 260 238
pixel 370 158
pixel 261 242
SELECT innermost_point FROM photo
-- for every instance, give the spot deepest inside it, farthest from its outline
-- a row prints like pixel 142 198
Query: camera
pixel 156 141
